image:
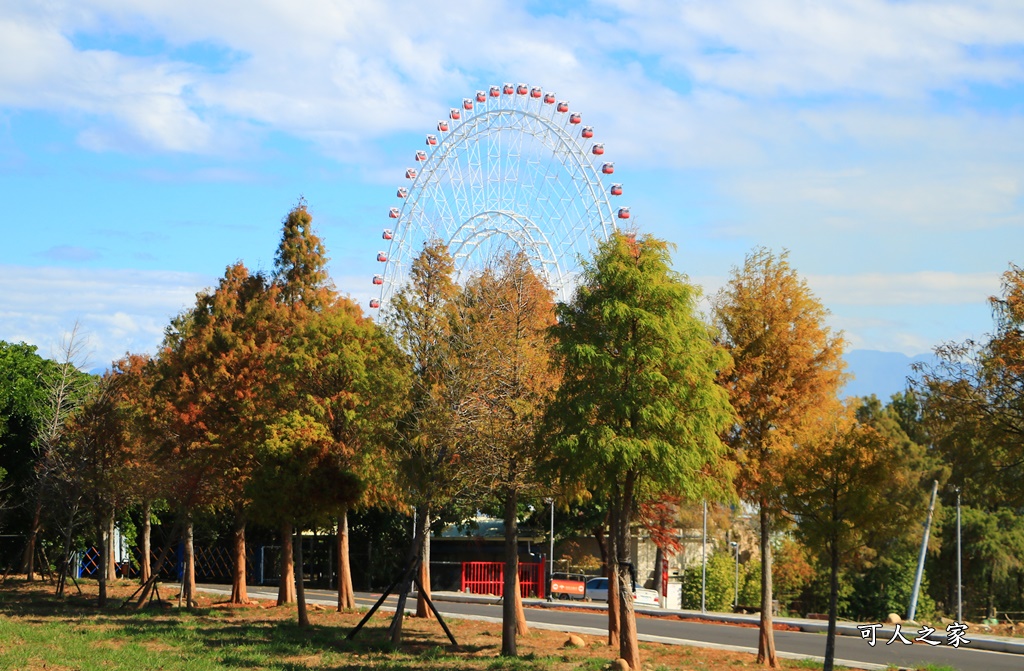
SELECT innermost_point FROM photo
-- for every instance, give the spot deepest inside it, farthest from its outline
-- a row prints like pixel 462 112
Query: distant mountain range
pixel 880 373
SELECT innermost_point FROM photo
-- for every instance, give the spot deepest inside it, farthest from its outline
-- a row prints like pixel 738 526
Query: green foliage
pixel 22 374
pixel 424 318
pixel 816 596
pixel 300 264
pixel 720 584
pixel 638 392
pixel 885 588
pixel 22 399
pixel 750 583
pixel 638 412
pixel 301 479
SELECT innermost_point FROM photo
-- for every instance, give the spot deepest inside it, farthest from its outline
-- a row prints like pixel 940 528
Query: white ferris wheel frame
pixel 473 182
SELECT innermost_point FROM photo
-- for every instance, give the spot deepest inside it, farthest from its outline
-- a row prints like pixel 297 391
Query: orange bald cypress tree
pixel 507 312
pixel 787 367
pixel 214 382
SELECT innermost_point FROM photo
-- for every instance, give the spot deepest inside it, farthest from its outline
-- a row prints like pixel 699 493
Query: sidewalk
pixel 978 639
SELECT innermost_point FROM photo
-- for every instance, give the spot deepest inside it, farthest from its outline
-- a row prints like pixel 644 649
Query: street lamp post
pixel 704 560
pixel 551 546
pixel 959 584
pixel 736 597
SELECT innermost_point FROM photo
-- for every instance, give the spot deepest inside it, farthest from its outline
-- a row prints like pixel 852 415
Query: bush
pixel 720 584
pixel 885 588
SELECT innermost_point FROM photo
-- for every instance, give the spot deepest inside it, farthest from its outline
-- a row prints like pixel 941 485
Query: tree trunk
pixel 111 549
pixel 613 579
pixel 300 588
pixel 598 532
pixel 766 636
pixel 659 576
pixel 346 595
pixel 145 568
pixel 175 536
pixel 423 535
pixel 510 586
pixel 522 628
pixel 629 646
pixel 28 560
pixel 286 586
pixel 65 564
pixel 104 560
pixel 833 606
pixel 188 585
pixel 239 593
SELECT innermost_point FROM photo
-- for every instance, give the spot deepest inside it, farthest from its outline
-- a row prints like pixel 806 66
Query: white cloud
pixel 911 289
pixel 341 73
pixel 812 123
pixel 793 47
pixel 118 310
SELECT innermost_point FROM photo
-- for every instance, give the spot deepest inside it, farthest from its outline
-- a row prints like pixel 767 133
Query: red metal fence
pixel 479 577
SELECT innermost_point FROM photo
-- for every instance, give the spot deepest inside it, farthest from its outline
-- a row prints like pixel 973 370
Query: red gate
pixel 484 577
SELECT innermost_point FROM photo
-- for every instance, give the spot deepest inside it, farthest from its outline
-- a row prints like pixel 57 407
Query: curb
pixel 978 642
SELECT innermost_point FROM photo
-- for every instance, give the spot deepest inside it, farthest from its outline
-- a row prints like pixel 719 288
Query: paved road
pixel 851 650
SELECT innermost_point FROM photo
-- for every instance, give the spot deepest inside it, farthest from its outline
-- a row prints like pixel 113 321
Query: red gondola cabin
pixel 410 173
pixel 597 149
pixel 431 140
pixel 421 155
pixel 587 132
pixel 508 89
pixel 608 168
pixel 394 213
pixel 563 106
pixel 455 114
pixel 623 213
pixel 481 97
pixel 575 117
pixel 442 126
pixel 402 192
pixel 616 190
pixel 378 279
pixel 374 303
pixel 535 92
pixel 522 89
pixel 382 257
pixel 388 234
pixel 549 98
pixel 495 91
pixel 467 104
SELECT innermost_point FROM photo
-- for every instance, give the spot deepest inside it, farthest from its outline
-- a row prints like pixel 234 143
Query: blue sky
pixel 147 144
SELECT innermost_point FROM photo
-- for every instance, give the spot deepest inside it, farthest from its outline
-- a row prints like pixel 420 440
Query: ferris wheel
pixel 510 169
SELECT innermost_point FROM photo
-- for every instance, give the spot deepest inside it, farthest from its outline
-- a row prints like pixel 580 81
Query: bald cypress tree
pixel 431 447
pixel 787 367
pixel 300 264
pixel 507 311
pixel 638 411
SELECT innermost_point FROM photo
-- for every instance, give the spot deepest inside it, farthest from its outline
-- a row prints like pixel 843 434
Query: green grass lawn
pixel 39 631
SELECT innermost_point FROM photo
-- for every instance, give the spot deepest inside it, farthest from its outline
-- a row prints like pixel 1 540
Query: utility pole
pixel 920 558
